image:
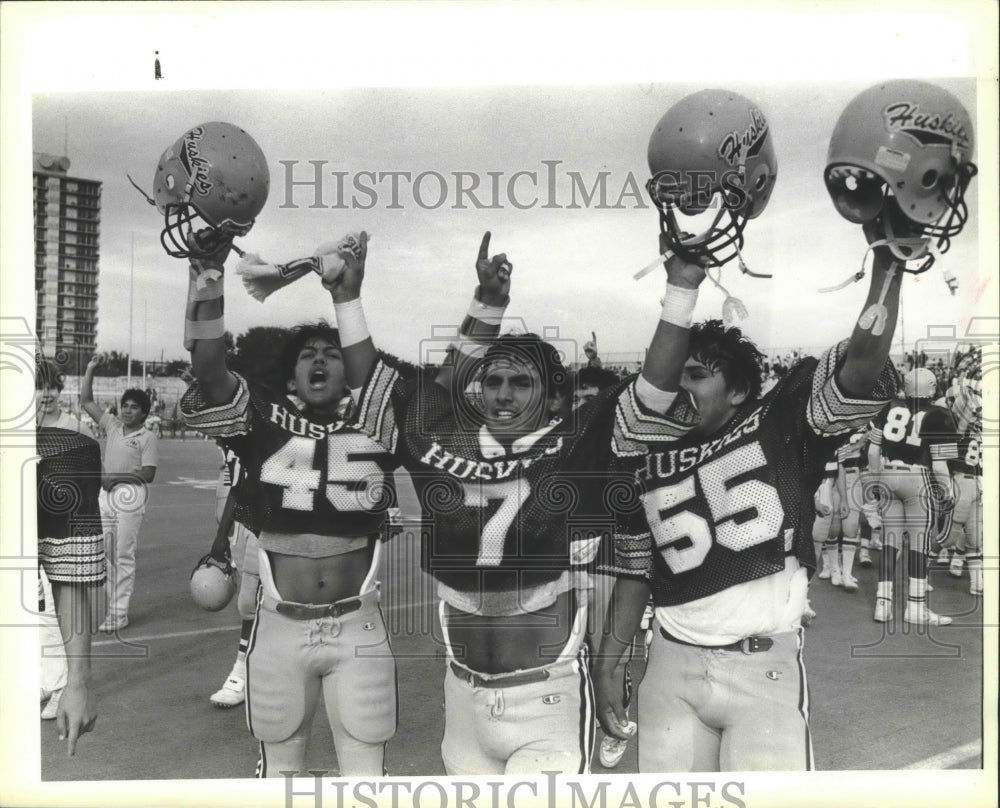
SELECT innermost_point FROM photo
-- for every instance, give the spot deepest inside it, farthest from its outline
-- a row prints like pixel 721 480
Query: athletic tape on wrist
pixel 678 306
pixel 204 329
pixel 204 291
pixel 351 322
pixel 491 315
pixel 653 397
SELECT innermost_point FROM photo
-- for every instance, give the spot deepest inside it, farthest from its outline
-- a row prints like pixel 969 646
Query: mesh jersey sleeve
pixel 228 419
pixel 376 413
pixel 71 539
pixel 830 411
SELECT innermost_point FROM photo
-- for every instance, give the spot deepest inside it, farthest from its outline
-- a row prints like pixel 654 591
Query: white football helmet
pixel 713 147
pixel 213 583
pixel 919 383
pixel 209 185
pixel 904 148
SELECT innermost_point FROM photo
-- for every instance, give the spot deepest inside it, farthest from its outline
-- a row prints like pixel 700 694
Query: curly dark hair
pixel 298 337
pixel 729 351
pixel 139 397
pixel 532 349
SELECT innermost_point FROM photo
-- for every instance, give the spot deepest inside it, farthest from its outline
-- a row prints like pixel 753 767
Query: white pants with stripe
pixel 528 728
pixel 523 729
pixel 708 710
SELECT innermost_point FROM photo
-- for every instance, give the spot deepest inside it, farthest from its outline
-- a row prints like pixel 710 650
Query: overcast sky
pixel 573 266
pixel 479 88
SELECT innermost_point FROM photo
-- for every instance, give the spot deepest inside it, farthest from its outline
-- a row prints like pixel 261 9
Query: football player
pixel 723 475
pixel 826 528
pixel 318 625
pixel 967 473
pixel 911 442
pixel 236 512
pixel 503 489
pixel 850 490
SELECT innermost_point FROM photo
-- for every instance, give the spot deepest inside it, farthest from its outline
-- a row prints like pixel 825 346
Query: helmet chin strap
pixel 136 186
pixel 929 252
pixel 909 248
pixel 875 317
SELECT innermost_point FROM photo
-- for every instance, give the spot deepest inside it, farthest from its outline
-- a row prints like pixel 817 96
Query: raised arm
pixel 204 326
pixel 668 350
pixel 482 322
pixel 871 340
pixel 87 390
pixel 357 347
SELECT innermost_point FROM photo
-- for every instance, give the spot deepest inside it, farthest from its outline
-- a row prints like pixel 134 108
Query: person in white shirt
pixel 130 460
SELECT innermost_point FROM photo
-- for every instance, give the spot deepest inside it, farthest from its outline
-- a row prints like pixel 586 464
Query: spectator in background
pixel 130 460
pixel 590 349
pixel 589 382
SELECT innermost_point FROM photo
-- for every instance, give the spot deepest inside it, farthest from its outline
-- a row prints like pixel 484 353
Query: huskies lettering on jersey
pixel 295 424
pixel 663 465
pixel 925 127
pixel 463 468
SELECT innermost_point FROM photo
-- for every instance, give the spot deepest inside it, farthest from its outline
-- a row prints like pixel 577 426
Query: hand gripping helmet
pixel 713 147
pixel 213 583
pixel 213 177
pixel 919 383
pixel 904 147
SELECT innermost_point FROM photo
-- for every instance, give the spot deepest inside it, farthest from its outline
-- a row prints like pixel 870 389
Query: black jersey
pixel 70 537
pixel 320 476
pixel 714 512
pixel 915 432
pixel 492 518
pixel 852 455
pixel 249 507
pixel 69 484
pixel 970 458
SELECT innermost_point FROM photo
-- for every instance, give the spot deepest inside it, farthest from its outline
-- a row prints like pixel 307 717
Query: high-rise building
pixel 67 239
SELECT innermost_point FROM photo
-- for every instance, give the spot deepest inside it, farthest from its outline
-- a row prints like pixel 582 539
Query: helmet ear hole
pixel 170 182
pixel 858 199
pixel 930 178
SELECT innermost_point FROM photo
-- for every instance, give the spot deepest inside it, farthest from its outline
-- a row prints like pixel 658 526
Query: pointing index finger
pixel 484 247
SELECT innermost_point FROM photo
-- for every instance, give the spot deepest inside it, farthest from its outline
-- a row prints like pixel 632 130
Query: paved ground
pixel 884 697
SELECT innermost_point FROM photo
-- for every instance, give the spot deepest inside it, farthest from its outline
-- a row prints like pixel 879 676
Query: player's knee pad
pixel 365 682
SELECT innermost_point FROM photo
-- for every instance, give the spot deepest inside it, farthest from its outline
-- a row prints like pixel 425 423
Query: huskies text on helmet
pixel 209 185
pixel 711 148
pixel 904 148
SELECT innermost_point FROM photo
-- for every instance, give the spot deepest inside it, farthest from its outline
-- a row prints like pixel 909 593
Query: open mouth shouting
pixel 318 378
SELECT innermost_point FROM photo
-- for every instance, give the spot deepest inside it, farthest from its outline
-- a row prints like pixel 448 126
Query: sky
pixel 474 88
pixel 574 263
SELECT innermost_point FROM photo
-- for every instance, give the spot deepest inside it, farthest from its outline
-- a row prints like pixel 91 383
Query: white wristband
pixel 491 315
pixel 678 306
pixel 652 397
pixel 351 322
